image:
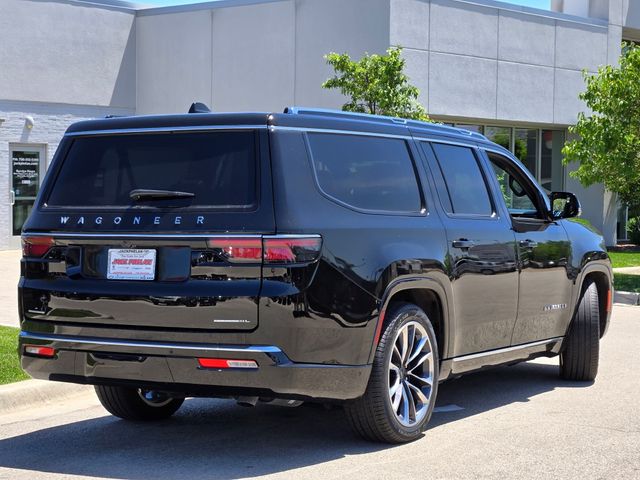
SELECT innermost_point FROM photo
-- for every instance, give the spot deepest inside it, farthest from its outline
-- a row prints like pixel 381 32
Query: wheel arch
pixel 601 276
pixel 426 293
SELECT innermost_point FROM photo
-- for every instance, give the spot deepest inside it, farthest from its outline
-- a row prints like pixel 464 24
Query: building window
pixel 499 135
pixel 551 169
pixel 525 148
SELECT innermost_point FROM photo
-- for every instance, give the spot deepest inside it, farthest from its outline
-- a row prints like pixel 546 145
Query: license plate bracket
pixel 131 264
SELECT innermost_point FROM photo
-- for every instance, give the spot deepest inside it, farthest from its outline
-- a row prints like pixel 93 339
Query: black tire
pixel 129 404
pixel 372 416
pixel 581 351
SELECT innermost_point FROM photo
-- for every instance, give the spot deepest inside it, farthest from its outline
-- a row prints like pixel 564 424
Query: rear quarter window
pixel 219 168
pixel 368 173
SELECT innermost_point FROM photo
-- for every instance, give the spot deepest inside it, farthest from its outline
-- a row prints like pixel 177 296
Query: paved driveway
pixel 510 422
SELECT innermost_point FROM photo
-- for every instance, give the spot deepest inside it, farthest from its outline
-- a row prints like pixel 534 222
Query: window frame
pixel 421 212
pixel 424 143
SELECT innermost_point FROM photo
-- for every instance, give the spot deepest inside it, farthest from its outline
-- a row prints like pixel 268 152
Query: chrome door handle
pixel 463 243
pixel 528 243
pixel 13 197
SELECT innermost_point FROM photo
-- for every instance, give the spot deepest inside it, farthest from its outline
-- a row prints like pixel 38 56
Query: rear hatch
pixel 159 228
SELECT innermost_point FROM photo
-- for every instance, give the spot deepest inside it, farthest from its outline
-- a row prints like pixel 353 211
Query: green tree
pixel 608 143
pixel 375 84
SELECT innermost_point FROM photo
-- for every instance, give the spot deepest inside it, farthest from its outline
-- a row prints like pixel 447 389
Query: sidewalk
pixel 627 270
pixel 9 276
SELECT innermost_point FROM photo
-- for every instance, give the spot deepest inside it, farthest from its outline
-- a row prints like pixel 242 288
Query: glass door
pixel 27 165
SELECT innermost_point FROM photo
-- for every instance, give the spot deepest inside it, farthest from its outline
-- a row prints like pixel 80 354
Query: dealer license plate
pixel 131 264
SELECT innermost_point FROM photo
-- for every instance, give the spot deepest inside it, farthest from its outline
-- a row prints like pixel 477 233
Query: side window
pixel 464 181
pixel 518 197
pixel 371 173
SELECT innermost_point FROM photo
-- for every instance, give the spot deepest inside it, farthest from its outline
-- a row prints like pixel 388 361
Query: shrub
pixel 633 229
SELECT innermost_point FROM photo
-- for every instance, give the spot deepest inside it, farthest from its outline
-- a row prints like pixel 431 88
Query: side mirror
pixel 564 205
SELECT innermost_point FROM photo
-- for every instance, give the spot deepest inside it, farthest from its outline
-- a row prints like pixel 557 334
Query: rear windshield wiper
pixel 147 194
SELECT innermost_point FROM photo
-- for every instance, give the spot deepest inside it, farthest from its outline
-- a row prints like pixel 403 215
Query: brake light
pixel 276 249
pixel 222 363
pixel 291 249
pixel 36 247
pixel 40 351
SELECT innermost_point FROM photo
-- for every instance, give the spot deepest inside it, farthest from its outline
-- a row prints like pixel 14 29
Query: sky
pixel 529 3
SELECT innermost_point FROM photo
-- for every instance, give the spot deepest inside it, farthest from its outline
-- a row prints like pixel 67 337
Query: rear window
pixel 371 173
pixel 218 168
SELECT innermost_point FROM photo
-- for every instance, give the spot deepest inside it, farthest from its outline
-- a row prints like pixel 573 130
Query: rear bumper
pixel 174 367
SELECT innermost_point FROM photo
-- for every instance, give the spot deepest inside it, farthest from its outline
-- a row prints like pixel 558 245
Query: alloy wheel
pixel 411 374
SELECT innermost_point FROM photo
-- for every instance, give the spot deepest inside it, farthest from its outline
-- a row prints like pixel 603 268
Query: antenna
pixel 199 107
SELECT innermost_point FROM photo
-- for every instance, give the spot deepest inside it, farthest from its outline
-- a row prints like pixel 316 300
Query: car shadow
pixel 217 439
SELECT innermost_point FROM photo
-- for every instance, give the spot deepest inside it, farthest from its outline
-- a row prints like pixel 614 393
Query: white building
pixel 512 72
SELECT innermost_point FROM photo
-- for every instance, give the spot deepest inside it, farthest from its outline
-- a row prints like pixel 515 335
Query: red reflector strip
pixel 40 351
pixel 376 338
pixel 36 246
pixel 221 363
pixel 609 303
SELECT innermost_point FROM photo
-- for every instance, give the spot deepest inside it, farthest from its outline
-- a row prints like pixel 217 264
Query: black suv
pixel 310 255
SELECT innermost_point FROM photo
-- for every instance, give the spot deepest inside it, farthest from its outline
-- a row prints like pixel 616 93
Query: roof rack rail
pixel 381 119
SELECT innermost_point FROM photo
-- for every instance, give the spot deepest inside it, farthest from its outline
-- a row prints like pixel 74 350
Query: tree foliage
pixel 375 84
pixel 608 143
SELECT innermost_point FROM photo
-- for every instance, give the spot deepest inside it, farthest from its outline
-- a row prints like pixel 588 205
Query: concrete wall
pixel 67 52
pixel 251 57
pixel 483 61
pixel 631 13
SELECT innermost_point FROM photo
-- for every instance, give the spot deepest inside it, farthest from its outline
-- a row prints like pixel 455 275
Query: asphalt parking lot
pixel 511 422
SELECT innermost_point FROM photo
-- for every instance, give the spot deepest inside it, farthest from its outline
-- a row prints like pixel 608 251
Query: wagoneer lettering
pixel 309 256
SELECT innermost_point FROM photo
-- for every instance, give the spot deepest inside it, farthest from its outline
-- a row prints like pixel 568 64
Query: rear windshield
pixel 218 168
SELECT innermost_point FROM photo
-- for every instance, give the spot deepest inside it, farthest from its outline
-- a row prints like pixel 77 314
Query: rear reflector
pixel 39 351
pixel 609 303
pixel 36 247
pixel 220 363
pixel 276 249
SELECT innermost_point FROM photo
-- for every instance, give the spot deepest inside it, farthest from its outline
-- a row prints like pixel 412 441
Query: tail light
pixel 36 246
pixel 277 249
pixel 238 249
pixel 285 249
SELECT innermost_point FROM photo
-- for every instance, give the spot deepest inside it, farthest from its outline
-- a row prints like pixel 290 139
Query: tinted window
pixel 465 183
pixel 219 168
pixel 366 172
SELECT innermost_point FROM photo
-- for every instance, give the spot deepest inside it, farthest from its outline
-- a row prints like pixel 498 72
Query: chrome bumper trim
pixel 79 343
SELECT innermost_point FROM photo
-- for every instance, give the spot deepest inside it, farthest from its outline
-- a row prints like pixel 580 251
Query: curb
pixel 30 393
pixel 626 298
